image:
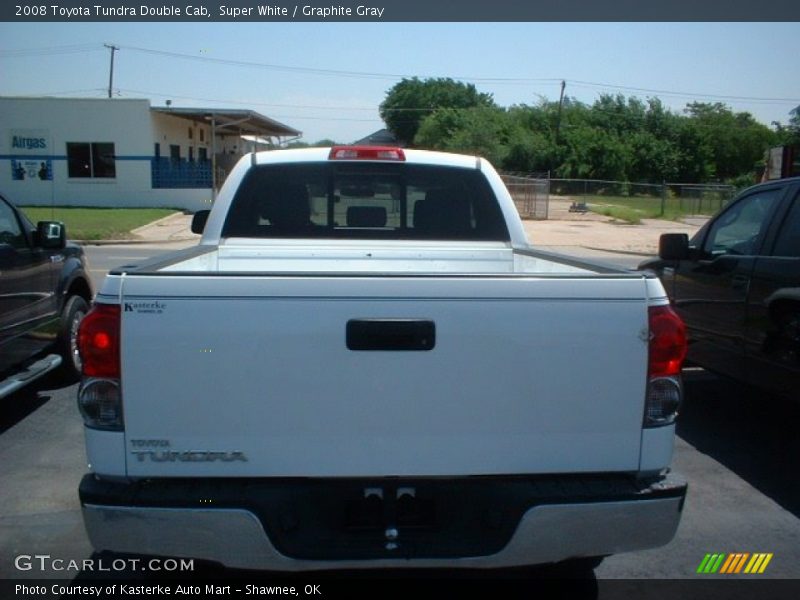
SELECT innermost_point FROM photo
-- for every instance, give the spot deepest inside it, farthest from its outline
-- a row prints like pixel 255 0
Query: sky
pixel 328 79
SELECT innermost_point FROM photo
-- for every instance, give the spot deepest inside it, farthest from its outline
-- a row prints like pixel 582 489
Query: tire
pixel 75 309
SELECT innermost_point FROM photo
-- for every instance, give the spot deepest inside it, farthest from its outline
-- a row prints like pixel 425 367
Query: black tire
pixel 75 308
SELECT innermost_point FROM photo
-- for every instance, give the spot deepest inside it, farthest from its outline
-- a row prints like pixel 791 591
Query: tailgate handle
pixel 391 334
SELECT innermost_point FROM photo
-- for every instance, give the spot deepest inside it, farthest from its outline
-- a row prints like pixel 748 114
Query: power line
pixel 76 48
pixel 61 93
pixel 272 104
pixel 493 80
pixel 255 103
pixel 756 99
pixel 245 103
pixel 51 50
pixel 330 72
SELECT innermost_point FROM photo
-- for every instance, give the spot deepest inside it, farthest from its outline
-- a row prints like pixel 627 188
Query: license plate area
pixel 380 510
pixel 408 519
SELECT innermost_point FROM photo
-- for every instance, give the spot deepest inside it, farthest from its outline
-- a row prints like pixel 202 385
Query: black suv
pixel 736 284
pixel 44 293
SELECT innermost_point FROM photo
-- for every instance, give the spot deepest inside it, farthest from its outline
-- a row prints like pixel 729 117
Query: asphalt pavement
pixel 734 446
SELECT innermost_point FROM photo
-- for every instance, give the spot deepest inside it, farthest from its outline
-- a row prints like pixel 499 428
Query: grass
pixel 633 209
pixel 97 223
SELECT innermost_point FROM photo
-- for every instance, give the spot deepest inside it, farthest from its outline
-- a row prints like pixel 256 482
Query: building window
pixel 202 135
pixel 91 160
pixel 191 153
pixel 158 150
pixel 191 133
pixel 174 152
pixel 202 154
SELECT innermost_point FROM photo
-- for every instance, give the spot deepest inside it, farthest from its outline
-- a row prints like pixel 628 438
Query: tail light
pixel 99 396
pixel 98 341
pixel 366 153
pixel 666 352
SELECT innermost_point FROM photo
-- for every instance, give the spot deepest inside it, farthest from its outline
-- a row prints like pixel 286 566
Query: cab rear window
pixel 364 201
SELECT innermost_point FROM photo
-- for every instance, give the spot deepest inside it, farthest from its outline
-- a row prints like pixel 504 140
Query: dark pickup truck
pixel 44 293
pixel 736 284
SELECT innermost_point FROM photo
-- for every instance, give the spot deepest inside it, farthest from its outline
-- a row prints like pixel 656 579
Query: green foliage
pixel 324 143
pixel 632 209
pixel 411 100
pixel 789 135
pixel 736 140
pixel 481 131
pixel 615 138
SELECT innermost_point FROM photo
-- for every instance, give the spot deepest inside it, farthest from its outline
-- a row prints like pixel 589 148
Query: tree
pixel 615 138
pixel 594 153
pixel 789 135
pixel 323 143
pixel 411 100
pixel 736 140
pixel 482 131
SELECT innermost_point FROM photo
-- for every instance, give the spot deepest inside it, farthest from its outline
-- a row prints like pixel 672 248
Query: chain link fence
pixel 531 194
pixel 643 200
pixel 693 199
pixel 535 195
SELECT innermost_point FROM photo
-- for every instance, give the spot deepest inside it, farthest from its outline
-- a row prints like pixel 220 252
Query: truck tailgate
pixel 240 375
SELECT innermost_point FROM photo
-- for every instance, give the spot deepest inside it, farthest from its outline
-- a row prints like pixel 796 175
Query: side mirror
pixel 673 246
pixel 199 220
pixel 51 235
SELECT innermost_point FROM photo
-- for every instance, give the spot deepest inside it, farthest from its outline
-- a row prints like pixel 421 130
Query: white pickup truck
pixel 364 364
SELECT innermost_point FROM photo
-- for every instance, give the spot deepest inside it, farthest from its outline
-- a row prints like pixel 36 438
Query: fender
pixel 73 276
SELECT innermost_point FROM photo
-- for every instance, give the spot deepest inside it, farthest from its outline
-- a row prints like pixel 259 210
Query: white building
pixel 117 152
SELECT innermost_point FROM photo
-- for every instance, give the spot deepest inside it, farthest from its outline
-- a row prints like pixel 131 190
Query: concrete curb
pixel 156 222
pixel 150 234
pixel 130 242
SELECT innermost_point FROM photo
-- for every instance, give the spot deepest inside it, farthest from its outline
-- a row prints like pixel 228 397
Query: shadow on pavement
pixel 750 432
pixel 22 403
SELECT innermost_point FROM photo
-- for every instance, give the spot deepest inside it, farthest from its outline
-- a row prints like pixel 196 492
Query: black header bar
pixel 208 11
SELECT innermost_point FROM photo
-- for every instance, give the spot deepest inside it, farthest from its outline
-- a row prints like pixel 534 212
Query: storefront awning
pixel 233 121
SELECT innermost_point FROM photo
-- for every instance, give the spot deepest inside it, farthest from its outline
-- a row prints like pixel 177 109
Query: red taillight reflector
pixel 98 341
pixel 667 342
pixel 366 153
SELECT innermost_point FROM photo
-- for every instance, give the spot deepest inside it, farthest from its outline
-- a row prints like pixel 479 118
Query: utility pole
pixel 560 104
pixel 113 49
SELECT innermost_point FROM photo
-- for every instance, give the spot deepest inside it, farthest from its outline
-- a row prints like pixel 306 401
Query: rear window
pixel 364 201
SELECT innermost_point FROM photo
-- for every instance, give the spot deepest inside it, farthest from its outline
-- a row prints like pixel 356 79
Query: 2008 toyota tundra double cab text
pixel 364 364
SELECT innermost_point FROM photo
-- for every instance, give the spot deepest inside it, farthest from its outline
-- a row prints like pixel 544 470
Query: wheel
pixel 75 309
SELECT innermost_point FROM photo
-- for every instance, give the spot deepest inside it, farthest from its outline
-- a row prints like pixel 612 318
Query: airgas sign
pixel 30 155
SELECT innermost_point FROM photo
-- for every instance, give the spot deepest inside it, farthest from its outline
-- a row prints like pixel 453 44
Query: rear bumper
pixel 120 517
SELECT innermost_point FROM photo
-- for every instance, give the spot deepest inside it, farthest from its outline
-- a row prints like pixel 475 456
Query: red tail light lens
pixel 366 153
pixel 98 341
pixel 667 342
